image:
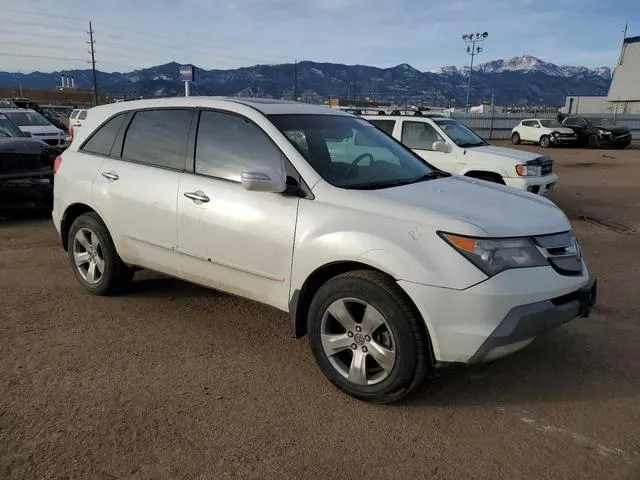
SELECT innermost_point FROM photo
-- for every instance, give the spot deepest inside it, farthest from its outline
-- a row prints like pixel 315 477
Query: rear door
pixel 230 238
pixel 137 186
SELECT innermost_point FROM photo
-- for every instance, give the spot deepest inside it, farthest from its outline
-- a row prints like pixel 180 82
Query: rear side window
pixel 74 114
pixel 158 137
pixel 385 125
pixel 228 144
pixel 529 123
pixel 83 115
pixel 102 139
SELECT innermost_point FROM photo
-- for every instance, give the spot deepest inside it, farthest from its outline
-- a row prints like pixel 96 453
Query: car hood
pixel 22 145
pixel 49 130
pixel 512 153
pixel 498 210
pixel 561 129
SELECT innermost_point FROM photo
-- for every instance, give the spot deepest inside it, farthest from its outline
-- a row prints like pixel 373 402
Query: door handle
pixel 110 175
pixel 197 196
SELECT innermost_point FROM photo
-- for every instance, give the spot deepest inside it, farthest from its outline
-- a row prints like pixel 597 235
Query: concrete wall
pixel 584 105
pixel 499 125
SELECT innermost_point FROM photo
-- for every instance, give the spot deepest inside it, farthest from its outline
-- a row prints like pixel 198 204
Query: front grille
pixel 566 134
pixel 626 136
pixel 547 168
pixel 18 162
pixel 562 252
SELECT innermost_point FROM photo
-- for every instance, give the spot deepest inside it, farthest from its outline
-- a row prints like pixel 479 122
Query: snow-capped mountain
pixel 527 63
pixel 519 80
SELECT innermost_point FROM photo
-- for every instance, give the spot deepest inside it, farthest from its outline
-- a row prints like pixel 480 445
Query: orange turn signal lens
pixel 463 243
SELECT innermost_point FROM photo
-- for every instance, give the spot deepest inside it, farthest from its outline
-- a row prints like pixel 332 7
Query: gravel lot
pixel 175 381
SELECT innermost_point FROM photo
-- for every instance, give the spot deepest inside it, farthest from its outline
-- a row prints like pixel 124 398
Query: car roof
pixel 404 117
pixel 264 105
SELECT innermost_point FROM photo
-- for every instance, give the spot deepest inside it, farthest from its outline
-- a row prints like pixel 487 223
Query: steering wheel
pixel 358 159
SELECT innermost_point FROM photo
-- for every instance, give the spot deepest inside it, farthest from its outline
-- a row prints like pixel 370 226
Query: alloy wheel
pixel 358 341
pixel 88 255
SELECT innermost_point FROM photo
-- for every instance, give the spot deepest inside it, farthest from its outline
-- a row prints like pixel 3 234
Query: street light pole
pixel 473 50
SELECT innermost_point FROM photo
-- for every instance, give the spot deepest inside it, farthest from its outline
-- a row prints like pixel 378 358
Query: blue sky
pixel 50 34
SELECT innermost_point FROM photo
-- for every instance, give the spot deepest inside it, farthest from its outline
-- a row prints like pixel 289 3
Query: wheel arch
pixel 485 173
pixel 72 212
pixel 302 297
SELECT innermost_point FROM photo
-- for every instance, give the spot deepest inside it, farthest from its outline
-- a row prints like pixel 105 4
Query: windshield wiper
pixel 470 144
pixel 397 183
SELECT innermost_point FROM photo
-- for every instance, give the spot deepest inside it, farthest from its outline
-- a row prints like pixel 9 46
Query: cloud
pixel 232 33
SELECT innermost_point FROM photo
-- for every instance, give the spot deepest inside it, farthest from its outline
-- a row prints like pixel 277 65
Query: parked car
pixel 598 132
pixel 26 167
pixel 49 115
pixel 30 121
pixel 454 147
pixel 76 119
pixel 390 265
pixel 545 132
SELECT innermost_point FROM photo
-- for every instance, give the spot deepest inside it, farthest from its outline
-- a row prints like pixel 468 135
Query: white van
pixel 389 265
pixel 453 147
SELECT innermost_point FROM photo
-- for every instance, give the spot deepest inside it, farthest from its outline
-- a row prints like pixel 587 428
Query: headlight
pixel 604 132
pixel 494 255
pixel 556 134
pixel 529 170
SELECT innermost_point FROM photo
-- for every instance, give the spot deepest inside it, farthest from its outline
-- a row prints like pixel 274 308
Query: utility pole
pixel 472 50
pixel 295 80
pixel 93 64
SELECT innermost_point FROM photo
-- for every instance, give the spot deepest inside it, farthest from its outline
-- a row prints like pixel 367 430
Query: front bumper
pixel 513 306
pixel 541 185
pixel 18 189
pixel 526 322
pixel 564 140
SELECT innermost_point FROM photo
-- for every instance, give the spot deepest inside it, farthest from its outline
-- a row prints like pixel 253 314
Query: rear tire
pixel 515 138
pixel 94 259
pixel 592 142
pixel 367 310
pixel 545 141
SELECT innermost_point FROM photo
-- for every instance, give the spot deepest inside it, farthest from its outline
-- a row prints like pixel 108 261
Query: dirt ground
pixel 172 381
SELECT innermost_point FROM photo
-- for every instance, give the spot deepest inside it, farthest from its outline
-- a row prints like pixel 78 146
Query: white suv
pixel 546 132
pixel 389 265
pixel 453 147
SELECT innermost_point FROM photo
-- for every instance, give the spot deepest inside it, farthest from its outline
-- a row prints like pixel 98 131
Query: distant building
pixel 624 91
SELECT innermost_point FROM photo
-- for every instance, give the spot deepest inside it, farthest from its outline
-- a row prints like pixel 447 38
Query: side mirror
pixel 27 134
pixel 440 146
pixel 537 125
pixel 263 180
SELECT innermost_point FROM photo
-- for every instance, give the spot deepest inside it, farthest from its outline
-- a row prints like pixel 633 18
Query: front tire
pixel 545 141
pixel 94 259
pixel 515 138
pixel 367 338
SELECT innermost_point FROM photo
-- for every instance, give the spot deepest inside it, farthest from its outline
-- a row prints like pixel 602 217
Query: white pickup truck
pixel 455 148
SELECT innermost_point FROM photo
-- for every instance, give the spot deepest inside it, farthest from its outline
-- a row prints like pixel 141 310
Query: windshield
pixel 602 122
pixel 551 124
pixel 28 119
pixel 349 152
pixel 8 129
pixel 460 134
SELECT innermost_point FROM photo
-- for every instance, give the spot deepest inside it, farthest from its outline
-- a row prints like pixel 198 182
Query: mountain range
pixel 523 80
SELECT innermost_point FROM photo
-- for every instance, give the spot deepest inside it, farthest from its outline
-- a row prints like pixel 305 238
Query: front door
pixel 229 238
pixel 420 137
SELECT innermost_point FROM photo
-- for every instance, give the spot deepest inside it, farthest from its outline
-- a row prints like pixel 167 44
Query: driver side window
pixel 419 135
